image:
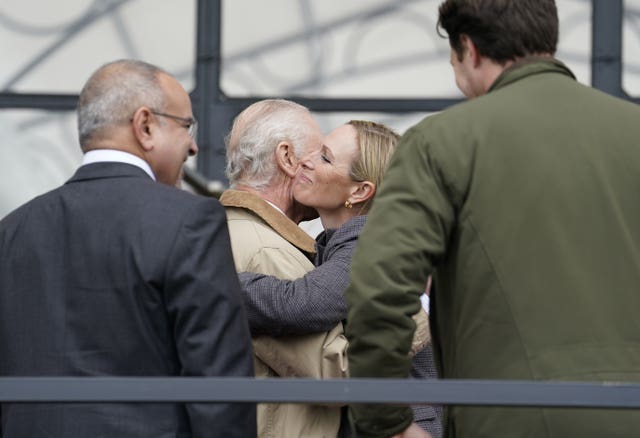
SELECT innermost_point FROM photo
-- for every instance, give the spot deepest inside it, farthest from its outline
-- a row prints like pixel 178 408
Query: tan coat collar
pixel 276 220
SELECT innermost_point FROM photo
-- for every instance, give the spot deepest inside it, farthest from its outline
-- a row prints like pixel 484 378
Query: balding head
pixel 113 93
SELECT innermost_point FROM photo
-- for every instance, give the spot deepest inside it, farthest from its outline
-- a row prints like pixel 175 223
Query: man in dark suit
pixel 115 274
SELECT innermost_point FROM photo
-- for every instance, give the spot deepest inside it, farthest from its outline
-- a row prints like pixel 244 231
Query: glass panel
pixel 53 47
pixel 631 48
pixel 574 45
pixel 399 122
pixel 358 48
pixel 314 48
pixel 39 152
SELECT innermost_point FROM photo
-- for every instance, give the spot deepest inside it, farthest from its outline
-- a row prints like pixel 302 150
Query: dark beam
pixel 625 395
pixel 48 102
pixel 355 104
pixel 606 51
pixel 206 94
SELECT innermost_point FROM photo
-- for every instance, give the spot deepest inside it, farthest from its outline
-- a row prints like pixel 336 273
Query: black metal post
pixel 606 52
pixel 207 96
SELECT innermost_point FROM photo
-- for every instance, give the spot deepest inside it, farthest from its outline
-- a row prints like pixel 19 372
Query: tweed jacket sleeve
pixel 310 304
pixel 428 417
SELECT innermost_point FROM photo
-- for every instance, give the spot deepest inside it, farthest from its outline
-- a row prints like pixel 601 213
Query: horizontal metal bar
pixel 352 104
pixel 69 102
pixel 50 102
pixel 396 391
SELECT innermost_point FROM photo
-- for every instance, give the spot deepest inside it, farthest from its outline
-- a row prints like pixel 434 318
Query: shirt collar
pixel 274 206
pixel 111 155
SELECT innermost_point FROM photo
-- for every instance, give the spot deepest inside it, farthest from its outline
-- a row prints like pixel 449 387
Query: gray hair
pixel 255 134
pixel 114 92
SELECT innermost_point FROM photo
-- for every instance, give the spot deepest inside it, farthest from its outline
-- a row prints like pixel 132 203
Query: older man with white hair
pixel 263 150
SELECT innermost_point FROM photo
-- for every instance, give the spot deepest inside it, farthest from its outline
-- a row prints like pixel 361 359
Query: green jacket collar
pixel 530 66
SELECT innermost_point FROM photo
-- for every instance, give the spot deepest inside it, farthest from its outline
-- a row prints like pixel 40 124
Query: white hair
pixel 255 134
pixel 114 92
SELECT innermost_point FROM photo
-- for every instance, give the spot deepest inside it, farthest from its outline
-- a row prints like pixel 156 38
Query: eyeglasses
pixel 189 123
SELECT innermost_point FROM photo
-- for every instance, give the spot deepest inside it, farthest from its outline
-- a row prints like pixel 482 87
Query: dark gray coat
pixel 113 274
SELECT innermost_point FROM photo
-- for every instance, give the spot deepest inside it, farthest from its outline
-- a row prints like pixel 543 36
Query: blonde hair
pixel 376 143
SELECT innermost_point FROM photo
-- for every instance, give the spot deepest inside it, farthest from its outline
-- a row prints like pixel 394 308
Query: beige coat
pixel 265 241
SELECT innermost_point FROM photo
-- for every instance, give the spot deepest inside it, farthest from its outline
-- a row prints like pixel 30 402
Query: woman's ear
pixel 363 192
pixel 286 159
pixel 143 128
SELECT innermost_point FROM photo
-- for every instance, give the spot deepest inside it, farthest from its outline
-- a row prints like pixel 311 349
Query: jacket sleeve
pixel 297 356
pixel 203 301
pixel 310 304
pixel 406 232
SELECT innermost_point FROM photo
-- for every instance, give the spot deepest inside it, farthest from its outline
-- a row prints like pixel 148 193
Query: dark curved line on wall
pixel 421 58
pixel 255 56
pixel 124 35
pixel 16 25
pixel 295 37
pixel 363 27
pixel 313 42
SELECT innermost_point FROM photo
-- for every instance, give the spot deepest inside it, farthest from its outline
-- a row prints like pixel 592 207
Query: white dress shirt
pixel 110 155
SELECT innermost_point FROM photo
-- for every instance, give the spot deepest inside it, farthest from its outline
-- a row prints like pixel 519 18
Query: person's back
pixel 115 274
pixel 523 202
pixel 549 231
pixel 121 278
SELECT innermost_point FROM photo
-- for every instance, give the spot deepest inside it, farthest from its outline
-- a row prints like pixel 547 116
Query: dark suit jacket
pixel 113 274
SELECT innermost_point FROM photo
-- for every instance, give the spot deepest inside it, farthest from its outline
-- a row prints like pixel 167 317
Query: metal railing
pixel 608 395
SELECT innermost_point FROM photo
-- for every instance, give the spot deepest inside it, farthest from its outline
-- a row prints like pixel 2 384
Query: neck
pixel 116 140
pixel 336 219
pixel 279 192
pixel 492 70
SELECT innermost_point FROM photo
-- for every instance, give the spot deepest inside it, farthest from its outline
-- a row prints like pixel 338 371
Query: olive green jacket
pixel 526 204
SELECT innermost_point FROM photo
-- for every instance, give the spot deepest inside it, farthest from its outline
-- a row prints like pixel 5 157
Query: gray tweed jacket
pixel 310 304
pixel 426 416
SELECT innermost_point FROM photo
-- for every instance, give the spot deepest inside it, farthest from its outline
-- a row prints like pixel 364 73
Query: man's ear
pixel 144 127
pixel 470 50
pixel 362 192
pixel 286 159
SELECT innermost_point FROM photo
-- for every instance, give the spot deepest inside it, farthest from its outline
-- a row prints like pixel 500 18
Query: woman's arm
pixel 310 304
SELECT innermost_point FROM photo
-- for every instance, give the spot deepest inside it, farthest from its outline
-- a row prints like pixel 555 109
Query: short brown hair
pixel 502 30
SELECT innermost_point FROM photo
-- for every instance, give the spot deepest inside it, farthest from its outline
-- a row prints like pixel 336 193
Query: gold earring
pixel 347 204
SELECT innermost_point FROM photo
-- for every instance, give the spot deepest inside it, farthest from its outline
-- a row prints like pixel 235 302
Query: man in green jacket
pixel 524 201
